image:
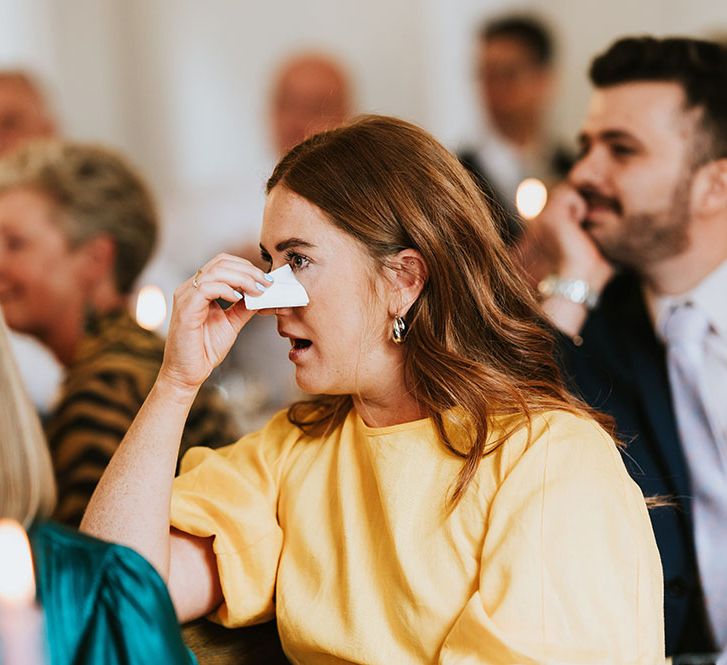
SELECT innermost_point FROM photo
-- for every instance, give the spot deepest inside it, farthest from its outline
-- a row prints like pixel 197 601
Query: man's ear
pixel 97 258
pixel 709 193
pixel 408 275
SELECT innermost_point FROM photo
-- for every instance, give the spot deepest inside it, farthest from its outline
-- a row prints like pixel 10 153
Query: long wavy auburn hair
pixel 476 337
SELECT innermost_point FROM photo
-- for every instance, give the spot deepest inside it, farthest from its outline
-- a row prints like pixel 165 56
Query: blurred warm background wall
pixel 181 85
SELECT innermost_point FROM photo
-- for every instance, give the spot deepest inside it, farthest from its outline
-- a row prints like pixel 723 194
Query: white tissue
pixel 285 291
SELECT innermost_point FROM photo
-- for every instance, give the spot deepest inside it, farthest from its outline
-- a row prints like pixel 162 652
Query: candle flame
pixel 531 197
pixel 151 307
pixel 17 581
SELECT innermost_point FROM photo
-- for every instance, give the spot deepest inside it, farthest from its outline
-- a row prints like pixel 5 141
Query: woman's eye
pixel 298 261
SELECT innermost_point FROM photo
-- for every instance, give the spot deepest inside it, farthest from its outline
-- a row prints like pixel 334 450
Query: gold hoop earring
pixel 398 332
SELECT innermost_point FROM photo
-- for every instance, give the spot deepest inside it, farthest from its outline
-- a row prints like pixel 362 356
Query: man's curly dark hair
pixel 699 67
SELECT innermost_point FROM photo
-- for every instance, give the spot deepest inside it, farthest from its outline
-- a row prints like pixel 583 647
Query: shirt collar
pixel 708 295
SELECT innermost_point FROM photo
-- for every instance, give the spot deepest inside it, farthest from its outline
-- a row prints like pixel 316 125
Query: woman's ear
pixel 408 276
pixel 97 257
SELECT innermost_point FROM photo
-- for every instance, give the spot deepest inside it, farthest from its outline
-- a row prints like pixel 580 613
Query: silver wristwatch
pixel 576 290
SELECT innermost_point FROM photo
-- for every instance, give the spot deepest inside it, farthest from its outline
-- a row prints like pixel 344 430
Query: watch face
pixel 576 290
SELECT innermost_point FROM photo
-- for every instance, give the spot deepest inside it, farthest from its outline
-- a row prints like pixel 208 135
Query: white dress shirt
pixel 710 295
pixel 700 401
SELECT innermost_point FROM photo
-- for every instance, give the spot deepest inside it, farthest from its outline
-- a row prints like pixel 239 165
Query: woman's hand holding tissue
pixel 201 332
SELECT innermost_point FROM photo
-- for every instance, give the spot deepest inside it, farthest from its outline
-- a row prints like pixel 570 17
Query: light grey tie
pixel 685 331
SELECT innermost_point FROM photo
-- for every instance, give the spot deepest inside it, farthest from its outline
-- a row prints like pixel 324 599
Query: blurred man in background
pixel 24 111
pixel 311 93
pixel 516 78
pixel 636 246
pixel 308 93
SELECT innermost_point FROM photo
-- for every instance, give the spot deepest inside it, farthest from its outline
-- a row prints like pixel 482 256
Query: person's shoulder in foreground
pixel 103 603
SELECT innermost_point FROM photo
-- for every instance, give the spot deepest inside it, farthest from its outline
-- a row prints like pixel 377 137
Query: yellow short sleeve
pixel 231 494
pixel 570 573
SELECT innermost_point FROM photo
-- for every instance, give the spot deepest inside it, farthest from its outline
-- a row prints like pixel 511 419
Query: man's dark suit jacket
pixel 505 215
pixel 621 370
pixel 503 212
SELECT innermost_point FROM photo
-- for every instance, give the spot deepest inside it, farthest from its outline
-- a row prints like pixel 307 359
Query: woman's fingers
pixel 215 290
pixel 194 305
pixel 239 280
pixel 235 263
pixel 239 274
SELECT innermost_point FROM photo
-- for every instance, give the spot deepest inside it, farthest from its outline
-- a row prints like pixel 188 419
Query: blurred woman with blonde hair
pixel 443 499
pixel 27 487
pixel 101 602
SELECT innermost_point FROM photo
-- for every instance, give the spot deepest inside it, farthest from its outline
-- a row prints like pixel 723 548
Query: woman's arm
pixel 194 581
pixel 131 505
pixel 131 502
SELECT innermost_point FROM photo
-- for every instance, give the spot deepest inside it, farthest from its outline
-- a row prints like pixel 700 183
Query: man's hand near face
pixel 556 244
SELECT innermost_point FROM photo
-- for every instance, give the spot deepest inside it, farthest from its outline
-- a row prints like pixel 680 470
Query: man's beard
pixel 647 237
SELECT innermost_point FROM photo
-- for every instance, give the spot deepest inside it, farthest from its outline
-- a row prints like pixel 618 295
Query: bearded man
pixel 632 252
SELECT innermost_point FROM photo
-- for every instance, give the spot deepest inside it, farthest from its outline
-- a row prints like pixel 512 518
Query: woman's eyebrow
pixel 287 244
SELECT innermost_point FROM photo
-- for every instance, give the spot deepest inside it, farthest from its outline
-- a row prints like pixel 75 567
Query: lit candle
pixel 531 197
pixel 151 307
pixel 21 620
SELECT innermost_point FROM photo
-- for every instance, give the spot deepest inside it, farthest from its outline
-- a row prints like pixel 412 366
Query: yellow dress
pixel 548 558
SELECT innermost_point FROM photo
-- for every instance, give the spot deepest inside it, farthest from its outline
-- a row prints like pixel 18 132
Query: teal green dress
pixel 102 603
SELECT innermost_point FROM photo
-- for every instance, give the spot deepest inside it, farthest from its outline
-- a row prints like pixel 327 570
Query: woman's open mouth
pixel 300 346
